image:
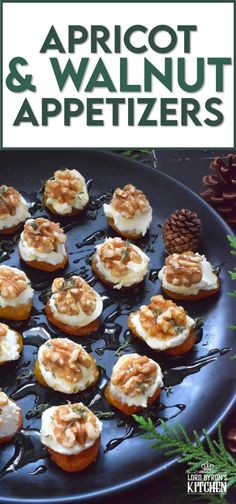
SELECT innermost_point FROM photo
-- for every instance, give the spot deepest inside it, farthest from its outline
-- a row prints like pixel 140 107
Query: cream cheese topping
pixel 140 399
pixel 9 346
pixel 80 320
pixel 209 280
pixel 22 213
pixel 138 224
pixel 48 438
pixel 9 419
pixel 32 254
pixel 162 344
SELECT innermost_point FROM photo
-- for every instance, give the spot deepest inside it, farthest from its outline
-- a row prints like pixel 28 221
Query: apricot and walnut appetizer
pixel 65 366
pixel 10 418
pixel 119 263
pixel 11 344
pixel 15 294
pixel 129 212
pixel 66 193
pixel 71 433
pixel 163 326
pixel 135 383
pixel 42 245
pixel 13 210
pixel 189 277
pixel 74 306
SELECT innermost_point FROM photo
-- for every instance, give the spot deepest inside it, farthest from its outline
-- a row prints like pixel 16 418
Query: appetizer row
pixel 65 193
pixel 65 366
pixel 75 307
pixel 118 263
pixel 71 432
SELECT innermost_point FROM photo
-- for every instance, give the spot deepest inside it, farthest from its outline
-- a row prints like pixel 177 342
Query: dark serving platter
pixel 202 382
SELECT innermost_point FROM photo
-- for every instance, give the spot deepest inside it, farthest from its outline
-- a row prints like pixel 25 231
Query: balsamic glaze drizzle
pixel 27 446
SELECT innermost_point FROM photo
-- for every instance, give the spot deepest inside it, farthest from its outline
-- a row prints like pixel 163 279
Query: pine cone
pixel 229 434
pixel 221 188
pixel 181 232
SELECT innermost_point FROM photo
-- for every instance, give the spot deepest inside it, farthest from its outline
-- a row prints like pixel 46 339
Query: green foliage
pixel 232 274
pixel 135 153
pixel 175 441
pixel 125 251
pixel 37 411
pixel 232 242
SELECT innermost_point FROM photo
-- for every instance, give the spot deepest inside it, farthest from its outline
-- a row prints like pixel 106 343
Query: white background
pixel 25 27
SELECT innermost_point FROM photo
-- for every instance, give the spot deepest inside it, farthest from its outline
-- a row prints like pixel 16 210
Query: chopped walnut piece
pixel 64 358
pixel 64 186
pixel 162 318
pixel 73 295
pixel 12 282
pixel 183 269
pixel 3 330
pixel 116 253
pixel 74 424
pixel 3 399
pixel 9 200
pixel 43 235
pixel 129 201
pixel 134 374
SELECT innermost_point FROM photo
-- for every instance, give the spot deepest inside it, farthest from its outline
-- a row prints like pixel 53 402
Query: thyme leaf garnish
pixel 125 251
pixel 105 415
pixel 124 345
pixel 157 312
pixel 37 411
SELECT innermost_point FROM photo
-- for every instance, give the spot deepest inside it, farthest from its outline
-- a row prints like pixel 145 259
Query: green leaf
pixel 232 241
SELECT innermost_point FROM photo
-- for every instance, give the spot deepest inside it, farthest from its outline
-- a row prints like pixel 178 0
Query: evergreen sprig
pixel 175 441
pixel 232 274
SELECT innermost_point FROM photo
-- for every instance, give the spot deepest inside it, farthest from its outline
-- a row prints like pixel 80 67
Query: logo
pixel 206 480
pixel 207 467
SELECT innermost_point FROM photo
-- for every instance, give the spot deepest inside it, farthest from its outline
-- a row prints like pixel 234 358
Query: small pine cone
pixel 181 232
pixel 231 441
pixel 221 188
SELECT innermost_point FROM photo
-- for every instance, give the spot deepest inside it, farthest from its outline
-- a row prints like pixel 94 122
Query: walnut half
pixel 64 186
pixel 43 235
pixel 134 374
pixel 12 282
pixel 129 201
pixel 9 200
pixel 183 269
pixel 64 358
pixel 162 318
pixel 73 295
pixel 73 424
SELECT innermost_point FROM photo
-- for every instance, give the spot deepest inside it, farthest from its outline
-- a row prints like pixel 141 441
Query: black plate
pixel 203 382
